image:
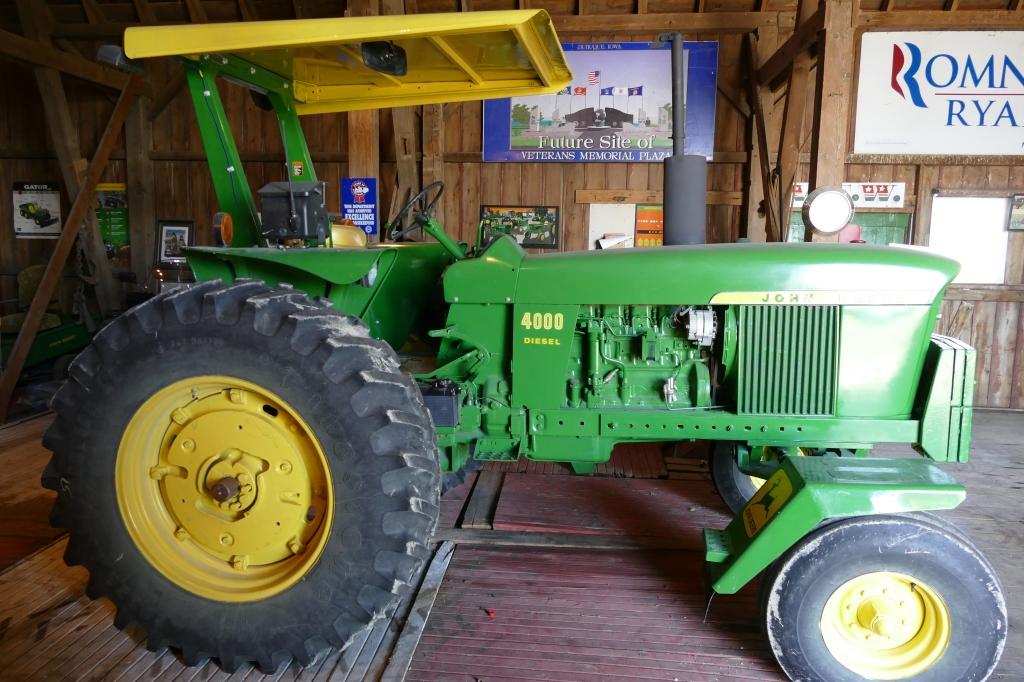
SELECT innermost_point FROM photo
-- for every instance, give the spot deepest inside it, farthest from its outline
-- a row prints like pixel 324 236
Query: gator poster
pixel 941 92
pixel 618 108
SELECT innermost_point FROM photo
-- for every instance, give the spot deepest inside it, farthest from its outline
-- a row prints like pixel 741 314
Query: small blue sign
pixel 359 203
pixel 618 108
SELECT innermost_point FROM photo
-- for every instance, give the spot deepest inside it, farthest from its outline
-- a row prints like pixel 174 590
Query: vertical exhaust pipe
pixel 686 175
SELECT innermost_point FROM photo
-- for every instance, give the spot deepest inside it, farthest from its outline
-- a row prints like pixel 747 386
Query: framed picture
pixel 1016 221
pixel 534 227
pixel 173 237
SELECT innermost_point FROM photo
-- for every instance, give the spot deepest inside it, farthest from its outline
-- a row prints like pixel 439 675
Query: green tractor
pixel 248 474
pixel 40 215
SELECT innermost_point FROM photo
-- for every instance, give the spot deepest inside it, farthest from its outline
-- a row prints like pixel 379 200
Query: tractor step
pixel 805 491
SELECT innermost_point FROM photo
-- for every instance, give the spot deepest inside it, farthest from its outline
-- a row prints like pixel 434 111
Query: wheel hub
pixel 236 501
pixel 885 626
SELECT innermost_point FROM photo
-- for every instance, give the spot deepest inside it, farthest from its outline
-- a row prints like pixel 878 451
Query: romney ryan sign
pixel 941 92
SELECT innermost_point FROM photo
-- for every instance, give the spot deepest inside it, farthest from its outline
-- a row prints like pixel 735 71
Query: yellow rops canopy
pixel 451 57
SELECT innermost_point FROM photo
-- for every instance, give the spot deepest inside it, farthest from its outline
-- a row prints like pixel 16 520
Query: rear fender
pixel 387 287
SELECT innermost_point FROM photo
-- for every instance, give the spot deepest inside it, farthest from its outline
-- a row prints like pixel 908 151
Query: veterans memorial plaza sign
pixel 941 92
pixel 618 108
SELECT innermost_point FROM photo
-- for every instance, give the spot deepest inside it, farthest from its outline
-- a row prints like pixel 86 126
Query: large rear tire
pixel 244 472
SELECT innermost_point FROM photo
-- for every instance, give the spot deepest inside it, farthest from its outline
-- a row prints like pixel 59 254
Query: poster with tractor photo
pixel 533 227
pixel 618 108
pixel 36 210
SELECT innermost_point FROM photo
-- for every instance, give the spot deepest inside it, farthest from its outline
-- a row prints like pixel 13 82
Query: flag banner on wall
pixel 941 92
pixel 619 109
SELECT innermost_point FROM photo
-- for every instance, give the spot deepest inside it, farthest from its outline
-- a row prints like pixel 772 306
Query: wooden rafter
pixel 167 94
pixel 36 21
pixel 792 119
pixel 246 11
pixel 707 22
pixel 196 11
pixel 40 54
pixel 802 39
pixel 769 191
pixel 93 13
pixel 144 11
pixel 975 19
pixel 63 246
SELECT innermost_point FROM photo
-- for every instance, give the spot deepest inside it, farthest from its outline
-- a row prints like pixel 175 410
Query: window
pixel 971 230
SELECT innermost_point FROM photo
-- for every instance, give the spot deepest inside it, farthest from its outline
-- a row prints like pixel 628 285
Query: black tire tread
pixel 357 363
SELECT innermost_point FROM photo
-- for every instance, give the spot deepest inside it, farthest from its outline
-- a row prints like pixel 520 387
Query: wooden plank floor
pixel 24 504
pixel 569 613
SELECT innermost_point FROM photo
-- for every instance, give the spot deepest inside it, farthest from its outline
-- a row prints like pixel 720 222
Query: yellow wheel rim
pixel 886 626
pixel 224 488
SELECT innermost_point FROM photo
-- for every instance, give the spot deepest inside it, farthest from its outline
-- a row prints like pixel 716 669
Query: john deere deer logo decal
pixel 766 502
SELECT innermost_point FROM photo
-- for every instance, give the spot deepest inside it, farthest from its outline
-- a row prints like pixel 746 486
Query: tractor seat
pixel 28 283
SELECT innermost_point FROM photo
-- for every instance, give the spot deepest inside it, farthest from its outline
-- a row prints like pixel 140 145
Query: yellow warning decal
pixel 766 502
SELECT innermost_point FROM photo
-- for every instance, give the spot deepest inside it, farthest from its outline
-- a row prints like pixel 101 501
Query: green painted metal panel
pixel 404 278
pixel 806 491
pixel 489 278
pixel 542 338
pixel 230 184
pixel 787 359
pixel 882 351
pixel 694 275
pixel 946 400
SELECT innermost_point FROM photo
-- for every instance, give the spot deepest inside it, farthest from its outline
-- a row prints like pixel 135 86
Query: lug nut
pixel 224 489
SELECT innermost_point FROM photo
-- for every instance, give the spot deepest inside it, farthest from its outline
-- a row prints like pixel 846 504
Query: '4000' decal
pixel 543 321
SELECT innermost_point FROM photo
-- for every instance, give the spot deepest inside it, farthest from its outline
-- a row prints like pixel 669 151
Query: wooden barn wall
pixel 990 318
pixel 471 182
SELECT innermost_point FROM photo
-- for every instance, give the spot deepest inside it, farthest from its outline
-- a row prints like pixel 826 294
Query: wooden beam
pixel 63 133
pixel 38 53
pixel 765 196
pixel 802 39
pixel 833 95
pixel 648 196
pixel 138 141
pixel 951 5
pixel 246 11
pixel 499 538
pixel 974 19
pixel 81 207
pixel 708 22
pixel 363 126
pixel 792 121
pixel 416 622
pixel 175 85
pixel 144 11
pixel 196 11
pixel 483 501
pixel 734 98
pixel 93 13
pixel 432 143
pixel 403 121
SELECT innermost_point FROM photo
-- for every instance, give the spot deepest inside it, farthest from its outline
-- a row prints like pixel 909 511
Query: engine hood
pixel 848 274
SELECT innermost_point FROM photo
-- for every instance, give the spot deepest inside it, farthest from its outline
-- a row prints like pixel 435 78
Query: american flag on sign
pixel 594 78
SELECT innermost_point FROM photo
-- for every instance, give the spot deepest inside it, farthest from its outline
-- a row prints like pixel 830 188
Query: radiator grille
pixel 787 359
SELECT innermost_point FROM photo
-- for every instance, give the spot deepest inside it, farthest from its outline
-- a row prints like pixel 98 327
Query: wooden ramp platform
pixel 553 577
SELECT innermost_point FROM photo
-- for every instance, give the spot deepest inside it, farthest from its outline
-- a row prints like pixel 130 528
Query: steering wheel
pixel 427 202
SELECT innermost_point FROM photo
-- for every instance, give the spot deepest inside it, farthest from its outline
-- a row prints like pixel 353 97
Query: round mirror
pixel 828 209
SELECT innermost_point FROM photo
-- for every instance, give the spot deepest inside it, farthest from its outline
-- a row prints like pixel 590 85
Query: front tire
pixel 884 598
pixel 325 449
pixel 733 486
